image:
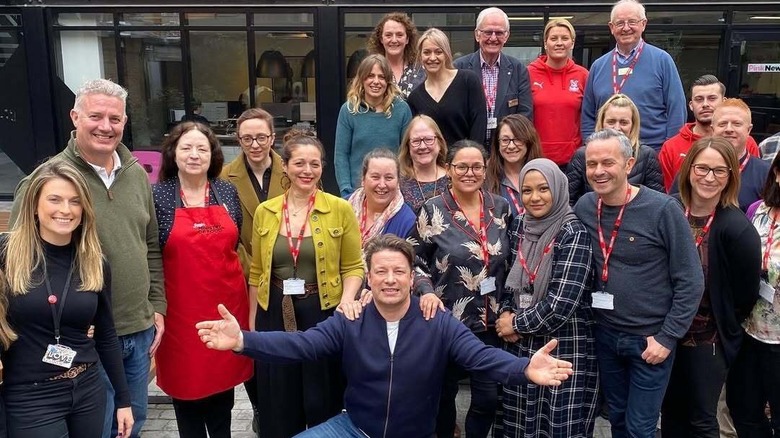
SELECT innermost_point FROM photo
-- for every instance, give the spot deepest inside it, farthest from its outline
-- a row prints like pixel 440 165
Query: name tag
pixel 487 285
pixel 59 355
pixel 766 291
pixel 492 123
pixel 625 71
pixel 603 300
pixel 294 286
pixel 524 301
pixel 513 103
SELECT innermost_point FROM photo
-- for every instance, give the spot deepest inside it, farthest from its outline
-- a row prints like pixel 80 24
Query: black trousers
pixel 58 408
pixel 195 417
pixel 690 407
pixel 754 380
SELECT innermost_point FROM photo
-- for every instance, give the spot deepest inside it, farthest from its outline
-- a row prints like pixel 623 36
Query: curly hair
pixel 374 44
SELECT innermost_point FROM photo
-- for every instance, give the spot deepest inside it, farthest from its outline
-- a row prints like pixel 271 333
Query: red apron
pixel 201 270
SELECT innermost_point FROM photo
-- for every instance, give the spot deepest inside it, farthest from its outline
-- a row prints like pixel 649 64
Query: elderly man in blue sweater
pixel 394 354
pixel 643 72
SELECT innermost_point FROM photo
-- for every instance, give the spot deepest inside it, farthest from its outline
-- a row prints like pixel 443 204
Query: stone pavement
pixel 162 421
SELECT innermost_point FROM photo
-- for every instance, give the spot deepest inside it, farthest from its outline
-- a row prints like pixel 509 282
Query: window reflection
pixel 84 55
pixel 15 124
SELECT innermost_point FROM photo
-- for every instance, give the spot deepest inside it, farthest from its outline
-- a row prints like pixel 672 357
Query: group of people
pixel 483 207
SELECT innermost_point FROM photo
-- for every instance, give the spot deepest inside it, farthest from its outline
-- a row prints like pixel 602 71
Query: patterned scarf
pixel 358 199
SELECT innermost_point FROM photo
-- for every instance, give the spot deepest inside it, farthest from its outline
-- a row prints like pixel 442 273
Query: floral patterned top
pixel 416 193
pixel 448 258
pixel 410 78
pixel 764 321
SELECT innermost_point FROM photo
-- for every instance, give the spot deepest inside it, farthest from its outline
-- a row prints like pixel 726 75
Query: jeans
pixel 212 413
pixel 135 356
pixel 754 380
pixel 690 408
pixel 57 408
pixel 633 388
pixel 339 426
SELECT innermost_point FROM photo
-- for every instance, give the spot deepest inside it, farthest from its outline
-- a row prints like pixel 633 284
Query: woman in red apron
pixel 198 216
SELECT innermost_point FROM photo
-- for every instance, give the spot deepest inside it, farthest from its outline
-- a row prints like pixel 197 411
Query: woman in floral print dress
pixel 461 248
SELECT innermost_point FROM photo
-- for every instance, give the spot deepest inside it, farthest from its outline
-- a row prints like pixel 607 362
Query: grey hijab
pixel 537 233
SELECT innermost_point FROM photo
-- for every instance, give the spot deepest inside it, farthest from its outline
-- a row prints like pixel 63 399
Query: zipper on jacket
pixel 389 393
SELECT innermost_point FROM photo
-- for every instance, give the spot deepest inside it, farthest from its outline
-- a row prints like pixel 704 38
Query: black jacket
pixel 646 172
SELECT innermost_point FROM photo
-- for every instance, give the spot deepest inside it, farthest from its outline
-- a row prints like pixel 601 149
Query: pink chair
pixel 151 162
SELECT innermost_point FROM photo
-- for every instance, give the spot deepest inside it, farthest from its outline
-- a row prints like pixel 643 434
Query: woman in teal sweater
pixel 373 116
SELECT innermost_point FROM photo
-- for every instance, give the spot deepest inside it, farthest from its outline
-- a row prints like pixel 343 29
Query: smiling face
pixel 734 125
pixel 423 154
pixel 390 278
pixel 249 133
pixel 512 149
pixel 394 38
pixel 58 211
pixel 304 168
pixel 99 123
pixel 536 194
pixel 606 168
pixel 432 57
pixel 704 100
pixel 380 183
pixel 375 85
pixel 627 25
pixel 558 44
pixel 491 35
pixel 193 153
pixel 619 118
pixel 467 170
pixel 708 187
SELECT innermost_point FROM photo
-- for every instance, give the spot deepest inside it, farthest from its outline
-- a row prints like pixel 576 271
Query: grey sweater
pixel 655 273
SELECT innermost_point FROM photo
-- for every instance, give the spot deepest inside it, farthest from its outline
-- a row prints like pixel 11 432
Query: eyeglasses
pixel 631 23
pixel 417 142
pixel 703 170
pixel 515 141
pixel 248 140
pixel 490 33
pixel 462 169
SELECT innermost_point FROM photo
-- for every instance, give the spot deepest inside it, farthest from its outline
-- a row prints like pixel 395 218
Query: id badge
pixel 487 285
pixel 603 300
pixel 59 355
pixel 524 301
pixel 766 291
pixel 492 122
pixel 294 286
pixel 625 71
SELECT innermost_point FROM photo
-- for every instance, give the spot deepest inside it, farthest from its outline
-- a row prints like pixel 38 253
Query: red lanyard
pixel 521 259
pixel 481 231
pixel 770 239
pixel 744 162
pixel 490 97
pixel 606 251
pixel 704 230
pixel 205 198
pixel 295 250
pixel 363 221
pixel 518 208
pixel 618 88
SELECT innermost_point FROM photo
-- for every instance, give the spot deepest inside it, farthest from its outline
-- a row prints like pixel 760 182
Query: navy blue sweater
pixel 391 395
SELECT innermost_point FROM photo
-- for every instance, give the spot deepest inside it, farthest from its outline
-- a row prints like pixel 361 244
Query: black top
pixel 260 191
pixel 30 316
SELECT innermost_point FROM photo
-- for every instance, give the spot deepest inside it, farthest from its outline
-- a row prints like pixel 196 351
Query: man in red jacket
pixel 707 93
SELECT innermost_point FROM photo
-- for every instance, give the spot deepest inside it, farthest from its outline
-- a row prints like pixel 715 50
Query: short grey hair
pixel 633 3
pixel 607 134
pixel 490 11
pixel 99 86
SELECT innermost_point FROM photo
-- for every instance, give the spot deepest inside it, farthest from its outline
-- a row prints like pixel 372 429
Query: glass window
pixel 524 43
pixel 583 18
pixel 684 17
pixel 213 19
pixel 150 19
pixel 426 20
pixel 153 75
pixel 362 19
pixel 694 52
pixel 760 83
pixel 14 20
pixel 84 55
pixel 300 19
pixel 15 114
pixel 765 18
pixel 85 19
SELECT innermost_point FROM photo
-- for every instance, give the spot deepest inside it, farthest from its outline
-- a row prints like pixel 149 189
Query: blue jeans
pixel 633 389
pixel 339 426
pixel 135 356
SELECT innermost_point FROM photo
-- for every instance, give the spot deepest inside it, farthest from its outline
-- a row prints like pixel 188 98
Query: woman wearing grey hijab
pixel 548 283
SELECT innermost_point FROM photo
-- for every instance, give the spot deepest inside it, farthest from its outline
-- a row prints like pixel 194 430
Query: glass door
pixel 755 77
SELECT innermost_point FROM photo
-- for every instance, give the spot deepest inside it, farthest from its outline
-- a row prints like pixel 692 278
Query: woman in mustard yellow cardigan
pixel 306 264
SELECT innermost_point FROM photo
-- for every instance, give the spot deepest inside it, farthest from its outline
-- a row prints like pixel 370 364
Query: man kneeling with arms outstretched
pixel 394 359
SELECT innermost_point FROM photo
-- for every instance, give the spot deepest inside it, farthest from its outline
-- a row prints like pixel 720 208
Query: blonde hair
pixel 24 252
pixel 357 92
pixel 440 40
pixel 559 22
pixel 622 101
pixel 7 334
pixel 404 154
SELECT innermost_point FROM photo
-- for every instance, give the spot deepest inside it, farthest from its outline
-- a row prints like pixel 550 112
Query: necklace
pixel 435 184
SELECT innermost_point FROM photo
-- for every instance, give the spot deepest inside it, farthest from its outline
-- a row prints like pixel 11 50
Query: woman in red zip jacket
pixel 557 87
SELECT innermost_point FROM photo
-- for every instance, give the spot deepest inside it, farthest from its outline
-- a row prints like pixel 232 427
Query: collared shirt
pixel 108 178
pixel 490 87
pixel 624 58
pixel 261 190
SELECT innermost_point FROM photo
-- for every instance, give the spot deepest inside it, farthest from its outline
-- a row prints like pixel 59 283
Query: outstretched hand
pixel 224 334
pixel 546 370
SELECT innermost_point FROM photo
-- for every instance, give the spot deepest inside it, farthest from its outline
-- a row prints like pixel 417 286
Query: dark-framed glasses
pixel 416 142
pixel 248 140
pixel 490 33
pixel 704 170
pixel 462 169
pixel 505 141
